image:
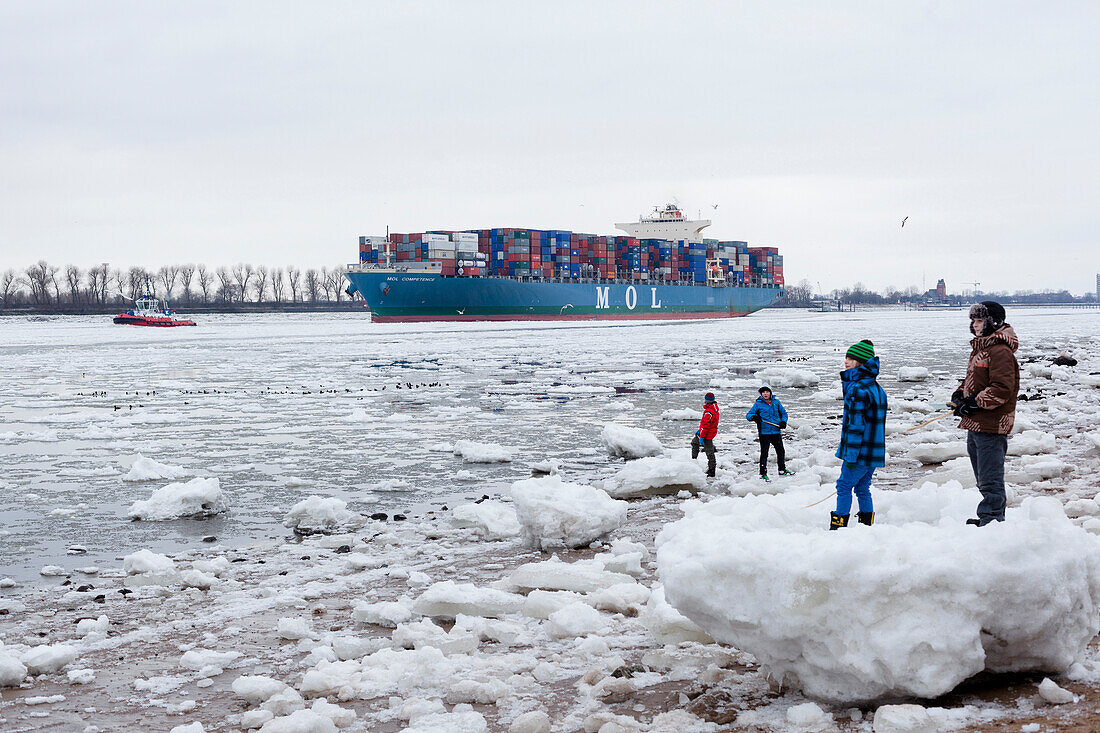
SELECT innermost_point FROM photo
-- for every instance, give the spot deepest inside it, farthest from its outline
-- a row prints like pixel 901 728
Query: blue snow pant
pixel 987 458
pixel 857 477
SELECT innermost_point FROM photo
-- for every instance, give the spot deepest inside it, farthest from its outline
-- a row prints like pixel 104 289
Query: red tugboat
pixel 147 312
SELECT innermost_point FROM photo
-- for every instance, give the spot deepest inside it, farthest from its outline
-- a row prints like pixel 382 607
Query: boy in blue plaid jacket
pixel 863 434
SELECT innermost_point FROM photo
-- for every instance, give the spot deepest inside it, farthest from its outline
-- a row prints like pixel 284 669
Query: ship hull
pixel 412 296
pixel 124 319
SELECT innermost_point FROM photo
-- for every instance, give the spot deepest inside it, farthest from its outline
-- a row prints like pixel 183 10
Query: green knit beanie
pixel 862 351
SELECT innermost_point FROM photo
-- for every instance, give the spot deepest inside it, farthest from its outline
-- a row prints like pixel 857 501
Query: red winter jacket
pixel 708 426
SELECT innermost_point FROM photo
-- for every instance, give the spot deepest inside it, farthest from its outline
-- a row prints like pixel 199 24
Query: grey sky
pixel 275 133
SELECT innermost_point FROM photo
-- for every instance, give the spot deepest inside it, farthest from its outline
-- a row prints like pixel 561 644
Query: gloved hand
pixel 757 419
pixel 698 440
pixel 957 397
pixel 965 407
pixel 782 424
pixel 968 407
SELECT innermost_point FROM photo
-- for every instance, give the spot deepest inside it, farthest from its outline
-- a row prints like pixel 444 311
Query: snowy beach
pixel 152 578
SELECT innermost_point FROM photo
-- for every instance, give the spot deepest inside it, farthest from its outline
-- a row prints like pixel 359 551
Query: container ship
pixel 662 269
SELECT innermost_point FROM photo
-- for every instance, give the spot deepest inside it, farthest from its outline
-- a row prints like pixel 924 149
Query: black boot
pixel 867 518
pixel 836 521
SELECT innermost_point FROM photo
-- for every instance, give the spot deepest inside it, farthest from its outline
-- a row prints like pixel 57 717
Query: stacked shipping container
pixel 554 253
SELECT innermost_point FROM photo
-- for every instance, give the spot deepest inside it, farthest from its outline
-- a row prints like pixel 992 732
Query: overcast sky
pixel 275 133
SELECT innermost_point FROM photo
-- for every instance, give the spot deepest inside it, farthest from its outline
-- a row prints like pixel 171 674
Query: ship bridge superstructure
pixel 666 223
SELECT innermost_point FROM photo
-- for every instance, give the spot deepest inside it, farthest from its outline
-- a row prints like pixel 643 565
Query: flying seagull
pixel 714 206
pixel 903 222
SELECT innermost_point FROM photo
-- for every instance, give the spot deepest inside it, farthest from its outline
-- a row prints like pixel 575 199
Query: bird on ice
pixel 903 222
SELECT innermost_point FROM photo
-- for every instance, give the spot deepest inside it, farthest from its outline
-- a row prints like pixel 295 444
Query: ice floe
pixel 492 520
pixel 623 441
pixel 553 513
pixel 319 514
pixel 474 452
pixel 196 499
pixel 656 476
pixel 941 601
pixel 146 469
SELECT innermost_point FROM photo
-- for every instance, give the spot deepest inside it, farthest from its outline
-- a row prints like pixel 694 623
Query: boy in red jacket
pixel 704 436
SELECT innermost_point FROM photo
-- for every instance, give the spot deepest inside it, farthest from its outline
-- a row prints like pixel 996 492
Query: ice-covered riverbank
pixel 582 640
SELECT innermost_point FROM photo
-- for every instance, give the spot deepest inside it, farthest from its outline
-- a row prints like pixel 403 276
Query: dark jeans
pixel 775 439
pixel 987 457
pixel 708 448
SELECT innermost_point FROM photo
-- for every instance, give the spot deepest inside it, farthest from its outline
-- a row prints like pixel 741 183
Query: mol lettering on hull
pixel 603 298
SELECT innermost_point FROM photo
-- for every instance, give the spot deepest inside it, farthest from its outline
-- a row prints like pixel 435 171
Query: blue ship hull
pixel 397 296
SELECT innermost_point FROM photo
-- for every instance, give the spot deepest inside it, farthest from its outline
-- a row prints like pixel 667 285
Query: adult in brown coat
pixel 986 402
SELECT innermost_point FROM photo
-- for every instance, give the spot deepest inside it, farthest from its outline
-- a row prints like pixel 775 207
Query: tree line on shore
pixel 46 287
pixel 803 294
pixel 43 286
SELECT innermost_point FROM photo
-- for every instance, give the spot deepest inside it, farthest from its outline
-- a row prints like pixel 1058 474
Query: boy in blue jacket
pixel 863 434
pixel 770 417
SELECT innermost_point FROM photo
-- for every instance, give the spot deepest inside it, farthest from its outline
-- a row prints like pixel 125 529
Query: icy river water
pixel 280 407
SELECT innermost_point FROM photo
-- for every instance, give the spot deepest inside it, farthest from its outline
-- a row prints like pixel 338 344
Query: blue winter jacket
pixel 863 431
pixel 769 413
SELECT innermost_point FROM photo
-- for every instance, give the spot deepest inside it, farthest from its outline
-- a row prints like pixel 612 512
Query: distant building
pixel 941 290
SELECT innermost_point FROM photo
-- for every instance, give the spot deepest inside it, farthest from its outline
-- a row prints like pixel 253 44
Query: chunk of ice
pixel 553 513
pixel 623 441
pixel 195 499
pixel 951 592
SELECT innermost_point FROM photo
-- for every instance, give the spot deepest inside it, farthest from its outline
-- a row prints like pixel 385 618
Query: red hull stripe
pixel 124 321
pixel 552 317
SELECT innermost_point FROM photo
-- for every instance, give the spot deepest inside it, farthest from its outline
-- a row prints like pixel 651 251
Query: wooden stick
pixel 830 496
pixel 929 422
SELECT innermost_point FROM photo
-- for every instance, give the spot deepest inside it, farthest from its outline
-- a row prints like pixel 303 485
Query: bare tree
pixel 325 283
pixel 277 284
pixel 167 276
pixel 118 281
pixel 800 294
pixel 73 276
pixel 187 274
pixel 97 283
pixel 9 286
pixel 225 284
pixel 38 280
pixel 338 282
pixel 242 274
pixel 313 284
pixel 294 275
pixel 206 279
pixel 135 281
pixel 55 284
pixel 261 283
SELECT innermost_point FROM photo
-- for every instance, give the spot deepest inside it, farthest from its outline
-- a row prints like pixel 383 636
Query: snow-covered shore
pixel 584 637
